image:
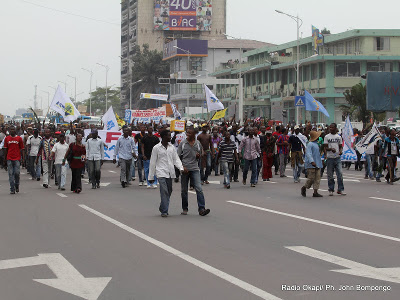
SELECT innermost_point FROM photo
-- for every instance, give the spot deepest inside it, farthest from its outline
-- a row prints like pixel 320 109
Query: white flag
pixel 109 120
pixel 63 105
pixel 213 102
pixel 369 140
pixel 177 114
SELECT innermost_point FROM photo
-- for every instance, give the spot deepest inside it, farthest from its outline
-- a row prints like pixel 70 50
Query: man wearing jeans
pixel 13 146
pixel 58 153
pixel 227 155
pixel 283 151
pixel 138 139
pixel 124 149
pixel 189 151
pixel 95 158
pixel 296 147
pixel 252 151
pixel 208 153
pixel 33 144
pixel 333 150
pixel 163 161
pixel 148 143
pixel 45 148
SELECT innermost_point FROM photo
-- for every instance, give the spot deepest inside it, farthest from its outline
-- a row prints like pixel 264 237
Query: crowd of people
pixel 160 157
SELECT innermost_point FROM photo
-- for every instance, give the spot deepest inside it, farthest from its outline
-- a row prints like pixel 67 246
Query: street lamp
pixel 297 19
pixel 187 86
pixel 107 68
pixel 73 77
pixel 48 100
pixel 65 85
pixel 90 89
pixel 130 92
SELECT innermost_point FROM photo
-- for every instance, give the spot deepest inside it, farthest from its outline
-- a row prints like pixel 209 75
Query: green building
pixel 270 73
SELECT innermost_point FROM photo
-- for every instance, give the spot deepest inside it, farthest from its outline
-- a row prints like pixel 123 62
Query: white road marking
pixel 62 195
pixel 231 279
pixel 68 278
pixel 101 183
pixel 191 192
pixel 387 237
pixel 383 199
pixel 111 171
pixel 270 181
pixel 215 182
pixel 344 179
pixel 319 190
pixel 353 268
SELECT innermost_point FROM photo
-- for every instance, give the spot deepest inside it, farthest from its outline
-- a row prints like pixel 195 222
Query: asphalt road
pixel 255 244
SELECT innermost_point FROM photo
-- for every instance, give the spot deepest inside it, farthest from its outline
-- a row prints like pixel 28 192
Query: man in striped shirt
pixel 227 155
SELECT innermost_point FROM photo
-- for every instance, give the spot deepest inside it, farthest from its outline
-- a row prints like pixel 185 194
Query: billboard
pixel 183 15
pixel 187 47
pixel 383 91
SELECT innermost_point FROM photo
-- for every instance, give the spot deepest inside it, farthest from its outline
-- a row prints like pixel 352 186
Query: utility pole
pixel 90 89
pixel 73 77
pixel 35 99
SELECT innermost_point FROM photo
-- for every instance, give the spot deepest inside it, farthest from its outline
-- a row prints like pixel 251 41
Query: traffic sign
pixel 299 101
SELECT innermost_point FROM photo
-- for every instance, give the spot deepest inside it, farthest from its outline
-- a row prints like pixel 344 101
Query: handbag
pixel 70 154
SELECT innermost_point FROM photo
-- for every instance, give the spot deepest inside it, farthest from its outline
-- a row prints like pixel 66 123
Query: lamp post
pixel 65 85
pixel 130 92
pixel 107 68
pixel 90 89
pixel 48 98
pixel 241 103
pixel 188 67
pixel 297 19
pixel 73 77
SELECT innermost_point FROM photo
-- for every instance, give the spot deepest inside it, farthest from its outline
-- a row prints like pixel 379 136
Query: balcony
pixel 124 39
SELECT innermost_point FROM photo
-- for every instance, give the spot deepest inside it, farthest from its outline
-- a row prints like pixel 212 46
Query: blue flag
pixel 314 105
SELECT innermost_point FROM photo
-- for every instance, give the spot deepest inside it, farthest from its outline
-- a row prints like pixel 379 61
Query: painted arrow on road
pixel 68 278
pixel 353 268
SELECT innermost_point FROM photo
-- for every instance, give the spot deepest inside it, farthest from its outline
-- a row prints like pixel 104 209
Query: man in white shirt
pixel 33 144
pixel 163 161
pixel 58 152
pixel 333 149
pixel 95 158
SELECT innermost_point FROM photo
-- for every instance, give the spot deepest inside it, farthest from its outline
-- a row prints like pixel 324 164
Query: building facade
pixel 270 73
pixel 154 22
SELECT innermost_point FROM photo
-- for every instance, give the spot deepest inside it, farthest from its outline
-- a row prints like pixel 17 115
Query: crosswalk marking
pixel 383 199
pixel 62 195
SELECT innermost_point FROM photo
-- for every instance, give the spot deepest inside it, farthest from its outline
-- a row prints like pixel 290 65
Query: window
pixel 291 73
pixel 228 51
pixel 357 45
pixel 347 69
pixel 379 66
pixel 382 44
pixel 265 76
pixel 271 75
pixel 196 63
pixel 278 75
pixel 195 89
pixel 253 78
pixel 349 47
pixel 321 70
pixel 314 73
pixel 259 77
pixel 306 73
pixel 340 48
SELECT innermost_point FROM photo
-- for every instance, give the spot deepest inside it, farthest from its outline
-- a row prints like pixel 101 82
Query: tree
pixel 325 31
pixel 99 100
pixel 148 66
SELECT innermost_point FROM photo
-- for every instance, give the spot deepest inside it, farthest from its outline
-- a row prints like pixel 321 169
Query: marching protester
pixel 13 154
pixel 208 153
pixel 147 144
pixel 76 156
pixel 190 151
pixel 215 140
pixel 283 150
pixel 124 149
pixel 95 157
pixel 163 161
pixel 391 152
pixel 268 156
pixel 296 148
pixel 33 145
pixel 58 153
pixel 138 140
pixel 333 150
pixel 44 152
pixel 313 164
pixel 227 156
pixel 252 151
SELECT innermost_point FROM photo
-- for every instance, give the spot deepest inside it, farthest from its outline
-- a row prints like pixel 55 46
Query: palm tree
pixel 148 67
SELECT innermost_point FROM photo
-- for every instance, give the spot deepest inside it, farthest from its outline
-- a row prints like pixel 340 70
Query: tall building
pixel 157 22
pixel 270 73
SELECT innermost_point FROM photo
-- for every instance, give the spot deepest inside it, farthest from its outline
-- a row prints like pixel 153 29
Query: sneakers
pixel 12 192
pixel 133 178
pixel 330 193
pixel 17 188
pixel 303 191
pixel 62 189
pixel 164 215
pixel 283 176
pixel 191 188
pixel 141 183
pixel 123 183
pixel 253 185
pixel 184 213
pixel 228 186
pixel 378 180
pixel 93 186
pixel 97 185
pixel 341 193
pixel 244 181
pixel 46 186
pixel 204 212
pixel 317 195
pixel 149 186
pixel 154 186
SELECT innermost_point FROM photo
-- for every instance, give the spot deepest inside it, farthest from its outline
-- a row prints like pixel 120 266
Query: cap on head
pixel 296 127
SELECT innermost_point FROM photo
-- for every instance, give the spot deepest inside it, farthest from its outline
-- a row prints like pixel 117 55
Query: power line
pixel 69 13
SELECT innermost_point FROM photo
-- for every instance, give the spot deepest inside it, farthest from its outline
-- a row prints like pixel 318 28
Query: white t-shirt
pixel 333 141
pixel 34 143
pixel 59 150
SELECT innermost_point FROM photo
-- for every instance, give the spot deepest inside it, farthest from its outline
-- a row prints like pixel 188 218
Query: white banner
pixel 369 140
pixel 63 105
pixel 161 97
pixel 145 116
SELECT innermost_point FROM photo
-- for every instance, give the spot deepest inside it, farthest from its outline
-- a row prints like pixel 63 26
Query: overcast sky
pixel 41 46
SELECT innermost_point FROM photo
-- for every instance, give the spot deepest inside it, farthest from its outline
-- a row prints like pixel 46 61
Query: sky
pixel 40 46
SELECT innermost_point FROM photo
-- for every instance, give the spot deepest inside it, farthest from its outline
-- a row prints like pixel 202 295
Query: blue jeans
pixel 146 165
pixel 133 169
pixel 207 157
pixel 369 159
pixel 259 167
pixel 196 182
pixel 35 169
pixel 216 165
pixel 140 167
pixel 165 193
pixel 334 164
pixel 13 167
pixel 227 167
pixel 298 168
pixel 254 170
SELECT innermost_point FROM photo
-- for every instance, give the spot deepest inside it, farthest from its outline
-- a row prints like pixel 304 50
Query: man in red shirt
pixel 13 146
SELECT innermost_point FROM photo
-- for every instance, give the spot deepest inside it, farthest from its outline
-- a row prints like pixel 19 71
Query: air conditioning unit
pixel 193 72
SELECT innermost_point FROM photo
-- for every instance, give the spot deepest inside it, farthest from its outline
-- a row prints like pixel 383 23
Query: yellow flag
pixel 219 114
